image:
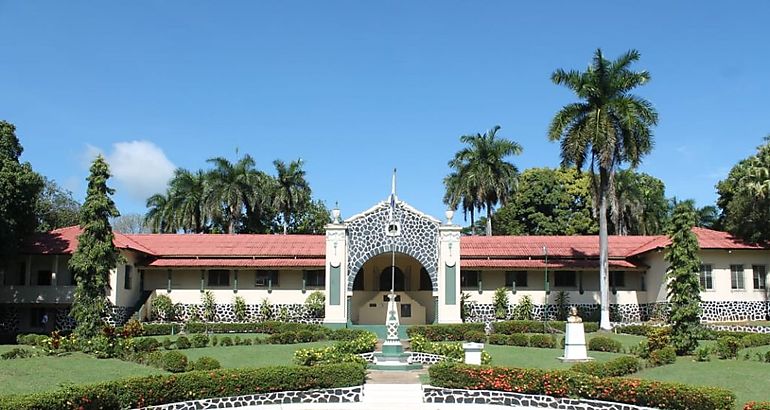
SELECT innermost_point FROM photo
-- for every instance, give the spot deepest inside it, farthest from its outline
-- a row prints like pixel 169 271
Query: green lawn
pixel 252 356
pixel 45 373
pixel 534 357
pixel 219 336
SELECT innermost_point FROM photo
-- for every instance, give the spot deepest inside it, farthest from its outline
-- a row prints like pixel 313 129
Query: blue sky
pixel 358 88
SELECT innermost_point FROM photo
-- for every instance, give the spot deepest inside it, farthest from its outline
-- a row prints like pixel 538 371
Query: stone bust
pixel 573 316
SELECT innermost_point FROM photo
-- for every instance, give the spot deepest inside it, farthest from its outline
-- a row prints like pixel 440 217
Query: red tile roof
pixel 557 246
pixel 233 245
pixel 239 262
pixel 65 240
pixel 707 239
pixel 540 264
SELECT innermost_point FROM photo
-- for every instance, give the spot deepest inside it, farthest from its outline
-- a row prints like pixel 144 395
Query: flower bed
pixel 559 383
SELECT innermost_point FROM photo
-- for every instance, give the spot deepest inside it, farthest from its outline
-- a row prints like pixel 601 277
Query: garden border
pixel 351 394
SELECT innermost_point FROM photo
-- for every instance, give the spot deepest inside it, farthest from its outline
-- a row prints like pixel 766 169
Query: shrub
pixel 182 342
pixel 659 338
pixel 225 341
pixel 604 344
pixel 239 308
pixel 174 362
pixel 518 339
pixel 304 336
pixel 147 344
pixel 209 305
pixel 638 330
pixel 214 340
pixel 17 353
pixel 442 333
pixel 475 336
pixel 728 346
pixel 247 342
pixel 543 341
pixel 266 310
pixel 666 355
pixel 702 354
pixel 757 405
pixel 282 338
pixel 501 303
pixel 205 363
pixel 498 339
pixel 163 308
pixel 132 328
pixel 642 349
pixel 237 341
pixel 621 366
pixel 199 340
pixel 755 340
pixel 167 343
pixel 560 383
pixel 160 329
pixel 316 336
pixel 364 343
pixel 161 389
pixel 31 339
pixel 315 304
pixel 523 309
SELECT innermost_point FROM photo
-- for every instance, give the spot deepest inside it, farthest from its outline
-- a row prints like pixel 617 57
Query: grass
pixel 251 336
pixel 45 373
pixel 252 356
pixel 534 357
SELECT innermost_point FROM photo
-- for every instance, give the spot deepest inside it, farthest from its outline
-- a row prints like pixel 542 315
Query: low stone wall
pixel 740 328
pixel 414 357
pixel 339 395
pixel 441 395
pixel 295 312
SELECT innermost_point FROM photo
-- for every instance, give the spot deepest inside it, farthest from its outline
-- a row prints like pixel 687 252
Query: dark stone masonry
pixel 442 395
pixel 339 395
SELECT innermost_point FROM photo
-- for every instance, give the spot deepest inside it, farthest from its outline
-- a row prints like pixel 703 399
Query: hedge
pixel 156 390
pixel 638 330
pixel 621 366
pixel 444 333
pixel 510 327
pixel 604 344
pixel 757 405
pixel 561 383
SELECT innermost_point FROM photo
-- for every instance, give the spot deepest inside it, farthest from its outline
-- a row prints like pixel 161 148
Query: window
pixel 219 277
pixel 760 275
pixel 520 277
pixel 19 277
pixel 44 277
pixel 706 281
pixel 266 278
pixel 127 277
pixel 617 279
pixel 736 277
pixel 469 278
pixel 315 278
pixel 565 279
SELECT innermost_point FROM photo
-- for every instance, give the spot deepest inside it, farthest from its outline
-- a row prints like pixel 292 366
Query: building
pixel 429 263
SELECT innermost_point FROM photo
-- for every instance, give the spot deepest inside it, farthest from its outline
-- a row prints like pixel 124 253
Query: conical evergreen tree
pixel 96 254
pixel 683 282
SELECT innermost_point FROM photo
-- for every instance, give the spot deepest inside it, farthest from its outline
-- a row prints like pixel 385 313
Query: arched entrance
pixel 412 284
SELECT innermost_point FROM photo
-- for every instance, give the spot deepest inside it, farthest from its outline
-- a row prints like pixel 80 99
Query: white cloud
pixel 140 168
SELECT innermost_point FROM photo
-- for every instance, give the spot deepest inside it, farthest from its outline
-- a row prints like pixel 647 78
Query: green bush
pixel 167 343
pixel 214 340
pixel 17 353
pixel 498 339
pixel 448 332
pixel 205 363
pixel 702 354
pixel 146 344
pixel 132 328
pixel 199 340
pixel 284 338
pixel 638 330
pixel 315 304
pixel 755 340
pixel 162 389
pixel 518 339
pixel 501 303
pixel 757 405
pixel 532 326
pixel 666 355
pixel 225 341
pixel 621 366
pixel 452 351
pixel 728 346
pixel 542 341
pixel 174 362
pixel 475 336
pixel 160 329
pixel 182 342
pixel 163 308
pixel 304 336
pixel 560 383
pixel 237 341
pixel 658 338
pixel 31 339
pixel 604 344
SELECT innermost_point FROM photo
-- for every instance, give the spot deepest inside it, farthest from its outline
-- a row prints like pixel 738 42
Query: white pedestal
pixel 473 352
pixel 575 344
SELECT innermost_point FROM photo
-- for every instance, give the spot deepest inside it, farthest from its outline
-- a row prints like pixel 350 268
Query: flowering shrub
pixel 560 383
pixel 757 405
pixel 132 328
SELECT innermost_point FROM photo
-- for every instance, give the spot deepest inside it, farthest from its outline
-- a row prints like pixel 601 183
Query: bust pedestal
pixel 575 344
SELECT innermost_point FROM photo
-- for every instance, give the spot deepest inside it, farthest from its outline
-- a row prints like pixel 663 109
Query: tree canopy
pixel 56 208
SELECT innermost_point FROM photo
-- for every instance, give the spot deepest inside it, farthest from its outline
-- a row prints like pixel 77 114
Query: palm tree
pixel 159 214
pixel 758 175
pixel 481 166
pixel 459 192
pixel 607 127
pixel 231 185
pixel 292 189
pixel 188 199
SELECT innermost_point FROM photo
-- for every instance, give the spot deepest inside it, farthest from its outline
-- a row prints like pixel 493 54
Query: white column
pixel 336 264
pixel 55 270
pixel 448 264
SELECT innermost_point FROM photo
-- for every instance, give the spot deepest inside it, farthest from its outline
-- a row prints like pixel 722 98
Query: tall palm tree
pixel 292 189
pixel 231 185
pixel 607 127
pixel 188 199
pixel 758 178
pixel 459 192
pixel 482 166
pixel 159 214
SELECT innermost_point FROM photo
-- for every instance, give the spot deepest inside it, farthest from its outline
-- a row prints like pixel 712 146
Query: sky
pixel 356 89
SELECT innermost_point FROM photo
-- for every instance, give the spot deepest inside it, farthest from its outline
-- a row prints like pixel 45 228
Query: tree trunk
pixel 473 223
pixel 604 264
pixel 489 218
pixel 285 222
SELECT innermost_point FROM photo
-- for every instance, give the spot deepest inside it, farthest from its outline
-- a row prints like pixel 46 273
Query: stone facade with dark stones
pixel 338 395
pixel 295 312
pixel 441 395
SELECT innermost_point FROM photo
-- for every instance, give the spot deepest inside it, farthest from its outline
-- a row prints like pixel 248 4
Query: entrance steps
pixel 382 396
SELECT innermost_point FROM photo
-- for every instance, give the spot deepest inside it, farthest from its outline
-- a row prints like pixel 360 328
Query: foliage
pixel 638 330
pixel 17 353
pixel 465 306
pixel 622 366
pixel 501 303
pixel 562 305
pixel 560 383
pixel 666 355
pixel 130 224
pixel 548 201
pixel 604 344
pixel 702 354
pixel 20 187
pixel 638 204
pixel 315 303
pixel 132 328
pixel 757 405
pixel 174 361
pixel 498 339
pixel 266 310
pixel 55 207
pixel 728 346
pixel 659 338
pixel 239 308
pixel 480 174
pixel 543 341
pixel 445 332
pixel 292 190
pixel 199 340
pixel 157 329
pixel 518 339
pixel 225 341
pixel 163 308
pixel 182 342
pixel 532 326
pixel 607 127
pixel 345 351
pixel 451 351
pixel 205 363
pixel 475 337
pixel 96 254
pixel 209 305
pixel 683 282
pixel 744 203
pixel 523 309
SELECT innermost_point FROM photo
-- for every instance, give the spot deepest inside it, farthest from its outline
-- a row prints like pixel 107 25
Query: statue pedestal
pixel 575 344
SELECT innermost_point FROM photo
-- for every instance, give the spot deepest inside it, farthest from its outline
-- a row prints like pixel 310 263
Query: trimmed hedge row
pixel 510 327
pixel 447 333
pixel 560 383
pixel 269 327
pixel 155 390
pixel 757 405
pixel 621 366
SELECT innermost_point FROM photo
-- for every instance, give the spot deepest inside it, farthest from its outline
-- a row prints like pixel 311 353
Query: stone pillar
pixel 54 270
pixel 336 274
pixel 473 352
pixel 449 273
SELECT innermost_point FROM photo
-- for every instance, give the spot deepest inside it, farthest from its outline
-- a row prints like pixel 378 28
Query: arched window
pixel 385 279
pixel 358 282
